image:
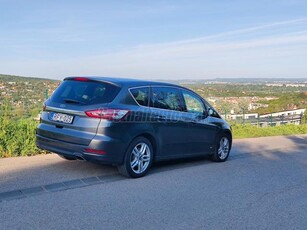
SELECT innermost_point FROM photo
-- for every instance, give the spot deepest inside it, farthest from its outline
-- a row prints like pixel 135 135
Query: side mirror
pixel 210 112
pixel 205 114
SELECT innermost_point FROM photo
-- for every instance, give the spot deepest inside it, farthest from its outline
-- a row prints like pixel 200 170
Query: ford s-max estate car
pixel 130 123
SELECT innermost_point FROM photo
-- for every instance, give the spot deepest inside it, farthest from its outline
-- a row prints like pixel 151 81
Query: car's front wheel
pixel 222 149
pixel 138 158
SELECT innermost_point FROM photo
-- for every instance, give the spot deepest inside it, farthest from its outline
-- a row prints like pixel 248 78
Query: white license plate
pixel 60 117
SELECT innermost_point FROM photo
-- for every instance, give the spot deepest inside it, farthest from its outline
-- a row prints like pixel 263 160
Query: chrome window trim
pixel 168 86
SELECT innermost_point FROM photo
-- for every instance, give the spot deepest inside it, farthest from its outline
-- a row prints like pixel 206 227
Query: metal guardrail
pixel 270 120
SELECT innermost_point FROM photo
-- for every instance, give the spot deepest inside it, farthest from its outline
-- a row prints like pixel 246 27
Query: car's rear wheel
pixel 138 158
pixel 222 148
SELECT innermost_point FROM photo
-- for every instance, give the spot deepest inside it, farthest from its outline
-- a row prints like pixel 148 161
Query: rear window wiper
pixel 67 100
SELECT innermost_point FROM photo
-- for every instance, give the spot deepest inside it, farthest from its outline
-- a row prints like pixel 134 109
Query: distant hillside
pixel 262 80
pixel 238 80
pixel 5 77
pixel 25 95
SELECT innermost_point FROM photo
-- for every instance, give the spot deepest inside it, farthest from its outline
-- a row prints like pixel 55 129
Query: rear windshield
pixel 85 92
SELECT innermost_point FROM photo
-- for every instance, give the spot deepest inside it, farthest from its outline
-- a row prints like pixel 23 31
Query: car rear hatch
pixel 64 117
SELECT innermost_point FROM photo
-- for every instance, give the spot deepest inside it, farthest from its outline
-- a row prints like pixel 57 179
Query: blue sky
pixel 154 39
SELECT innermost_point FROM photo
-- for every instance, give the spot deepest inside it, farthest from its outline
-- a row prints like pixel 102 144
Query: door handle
pixel 159 116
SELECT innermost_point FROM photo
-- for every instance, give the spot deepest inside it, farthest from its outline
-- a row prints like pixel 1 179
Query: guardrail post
pixel 282 119
pixel 301 118
pixel 271 119
pixel 243 117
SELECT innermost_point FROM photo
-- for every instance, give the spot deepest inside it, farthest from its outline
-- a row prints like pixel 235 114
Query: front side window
pixel 166 98
pixel 193 103
pixel 140 95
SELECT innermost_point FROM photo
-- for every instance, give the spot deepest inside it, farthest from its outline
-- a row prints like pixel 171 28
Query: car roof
pixel 130 82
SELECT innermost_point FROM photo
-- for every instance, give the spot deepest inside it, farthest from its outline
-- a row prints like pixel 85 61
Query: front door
pixel 202 132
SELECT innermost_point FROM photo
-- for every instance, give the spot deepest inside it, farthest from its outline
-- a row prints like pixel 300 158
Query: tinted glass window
pixel 141 95
pixel 84 92
pixel 166 98
pixel 193 103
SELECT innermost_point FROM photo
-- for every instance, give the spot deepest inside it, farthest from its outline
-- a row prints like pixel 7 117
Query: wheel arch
pixel 127 170
pixel 228 132
pixel 151 139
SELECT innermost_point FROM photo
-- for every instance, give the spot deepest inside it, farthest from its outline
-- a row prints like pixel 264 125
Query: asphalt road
pixel 263 185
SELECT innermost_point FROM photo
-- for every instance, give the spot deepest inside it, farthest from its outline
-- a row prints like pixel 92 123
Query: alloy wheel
pixel 223 148
pixel 140 158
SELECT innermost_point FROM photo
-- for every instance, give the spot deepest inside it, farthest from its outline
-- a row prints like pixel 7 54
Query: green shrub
pixel 245 131
pixel 17 137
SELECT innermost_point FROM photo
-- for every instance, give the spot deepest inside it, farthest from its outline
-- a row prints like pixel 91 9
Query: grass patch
pixel 247 131
pixel 17 137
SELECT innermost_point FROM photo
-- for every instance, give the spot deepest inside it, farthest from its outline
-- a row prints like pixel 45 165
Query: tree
pixel 243 105
pixel 223 107
pixel 304 117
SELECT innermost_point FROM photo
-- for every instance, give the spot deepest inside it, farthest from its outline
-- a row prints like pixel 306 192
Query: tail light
pixel 95 151
pixel 108 114
pixel 81 79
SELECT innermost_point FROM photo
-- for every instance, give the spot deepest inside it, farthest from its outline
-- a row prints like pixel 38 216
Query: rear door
pixel 64 116
pixel 166 111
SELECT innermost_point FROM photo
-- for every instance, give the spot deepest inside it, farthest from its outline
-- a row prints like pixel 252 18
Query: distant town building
pixel 270 119
pixel 234 117
pixel 285 113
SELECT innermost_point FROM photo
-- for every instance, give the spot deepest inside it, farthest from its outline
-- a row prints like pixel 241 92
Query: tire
pixel 68 158
pixel 138 158
pixel 222 148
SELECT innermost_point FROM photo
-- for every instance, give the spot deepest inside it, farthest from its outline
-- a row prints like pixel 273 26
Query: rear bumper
pixel 115 150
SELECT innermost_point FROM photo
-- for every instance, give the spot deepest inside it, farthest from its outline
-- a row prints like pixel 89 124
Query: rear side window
pixel 166 98
pixel 140 95
pixel 85 92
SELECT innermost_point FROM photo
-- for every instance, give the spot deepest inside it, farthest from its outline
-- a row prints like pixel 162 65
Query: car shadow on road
pixel 241 149
pixel 168 165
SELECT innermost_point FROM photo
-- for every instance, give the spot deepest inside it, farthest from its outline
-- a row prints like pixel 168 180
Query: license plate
pixel 60 117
